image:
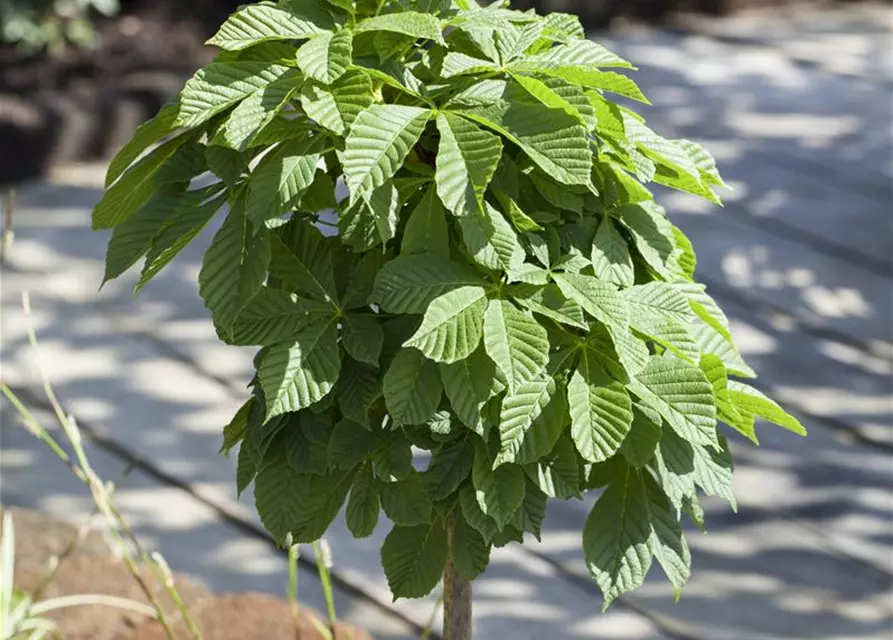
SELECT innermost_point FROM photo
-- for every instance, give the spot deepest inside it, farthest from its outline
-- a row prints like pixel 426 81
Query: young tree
pixel 436 230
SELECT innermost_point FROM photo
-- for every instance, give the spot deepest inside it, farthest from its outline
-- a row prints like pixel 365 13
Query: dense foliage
pixel 34 25
pixel 438 233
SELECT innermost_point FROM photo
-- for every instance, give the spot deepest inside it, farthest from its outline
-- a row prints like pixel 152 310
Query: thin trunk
pixel 456 600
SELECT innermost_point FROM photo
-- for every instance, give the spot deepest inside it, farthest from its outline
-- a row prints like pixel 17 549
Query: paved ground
pixel 798 112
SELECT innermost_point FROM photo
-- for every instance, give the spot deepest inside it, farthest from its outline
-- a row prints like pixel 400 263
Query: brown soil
pixel 91 569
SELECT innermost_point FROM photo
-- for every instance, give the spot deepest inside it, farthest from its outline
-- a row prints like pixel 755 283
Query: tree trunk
pixel 456 599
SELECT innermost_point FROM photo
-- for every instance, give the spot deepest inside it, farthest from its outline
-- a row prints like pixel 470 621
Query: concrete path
pixel 800 258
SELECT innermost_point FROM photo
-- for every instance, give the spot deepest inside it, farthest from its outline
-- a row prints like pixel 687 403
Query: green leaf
pixel 717 376
pixel 453 325
pixel 363 505
pixel 303 455
pixel 234 269
pixel 661 311
pixel 471 512
pixel 675 466
pixel 750 402
pixel 426 230
pixel 469 551
pixel 459 64
pixel 653 237
pixel 258 23
pixel 601 80
pixel 300 504
pixel 358 390
pixel 617 536
pixel 295 375
pixel 557 195
pixel 667 539
pixel 553 139
pixel 371 220
pixel 529 516
pixel 362 338
pixel 466 161
pixel 274 316
pixel 405 502
pixel 412 388
pixel 145 135
pixel 134 188
pixel 581 53
pixel 704 162
pixel 520 409
pixel 393 457
pixel 410 23
pixel 241 128
pixel 641 442
pixel 610 256
pixel 469 384
pixel 523 222
pixel 687 259
pixel 227 164
pixel 541 92
pixel 414 558
pixel 230 80
pixel 601 412
pixel 713 469
pixel 550 302
pixel 449 467
pixel 540 439
pixel 337 106
pixel 379 141
pixel 327 56
pixel 302 260
pixel 597 298
pixel 349 444
pixel 490 240
pixel 408 284
pixel 234 432
pixel 681 393
pixel 280 181
pixel 499 492
pixel 516 342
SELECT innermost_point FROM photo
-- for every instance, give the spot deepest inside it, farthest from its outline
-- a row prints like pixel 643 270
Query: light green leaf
pixel 410 23
pixel 274 316
pixel 412 388
pixel 661 311
pixel 717 376
pixel 675 466
pixel 302 259
pixel 449 467
pixel 408 284
pixel 300 504
pixel 379 141
pixel 337 106
pixel 453 325
pixel 582 53
pixel 234 432
pixel 414 558
pixel 372 219
pixel 681 393
pixel 542 93
pixel 541 437
pixel 750 402
pixel 520 409
pixel 458 64
pixel 466 162
pixel 280 181
pixel 258 23
pixel 667 539
pixel 234 269
pixel 640 443
pixel 426 230
pixel 703 161
pixel 653 235
pixel 521 220
pixel 254 113
pixel 362 338
pixel 363 505
pixel 230 80
pixel 601 80
pixel 597 298
pixel 617 538
pixel 468 385
pixel 601 412
pixel 499 492
pixel 406 502
pixel 469 551
pixel 512 40
pixel 295 375
pixel 610 256
pixel 713 471
pixel 516 342
pixel 490 240
pixel 550 302
pixel 326 56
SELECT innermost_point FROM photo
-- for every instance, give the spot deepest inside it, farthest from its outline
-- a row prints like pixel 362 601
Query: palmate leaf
pixel 253 114
pixel 540 91
pixel 750 403
pixel 516 342
pixel 498 492
pixel 145 135
pixel 520 409
pixel 490 240
pixel 378 143
pixel 408 284
pixel 412 388
pixel 372 219
pixel 681 393
pixel 653 237
pixel 597 298
pixel 468 384
pixel 337 106
pixel 298 373
pixel 453 325
pixel 274 316
pixel 617 538
pixel 280 181
pixel 466 162
pixel 410 23
pixel 327 56
pixel 610 256
pixel 581 53
pixel 601 412
pixel 254 24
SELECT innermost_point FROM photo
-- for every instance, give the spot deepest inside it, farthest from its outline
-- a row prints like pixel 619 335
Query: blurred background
pixel 796 102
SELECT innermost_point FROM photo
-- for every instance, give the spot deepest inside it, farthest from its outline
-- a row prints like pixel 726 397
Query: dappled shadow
pixel 799 259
